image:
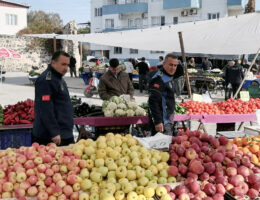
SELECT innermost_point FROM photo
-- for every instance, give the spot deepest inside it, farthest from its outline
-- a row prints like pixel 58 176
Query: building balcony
pixel 140 7
pixel 181 4
pixel 235 4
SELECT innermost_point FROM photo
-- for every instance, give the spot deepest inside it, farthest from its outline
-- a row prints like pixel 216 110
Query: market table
pixel 15 136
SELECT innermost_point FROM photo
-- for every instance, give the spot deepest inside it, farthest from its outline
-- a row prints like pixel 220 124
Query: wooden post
pixel 185 64
pixel 54 44
pixel 252 63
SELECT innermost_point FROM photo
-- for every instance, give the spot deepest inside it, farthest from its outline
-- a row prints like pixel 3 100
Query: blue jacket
pixel 53 108
pixel 161 97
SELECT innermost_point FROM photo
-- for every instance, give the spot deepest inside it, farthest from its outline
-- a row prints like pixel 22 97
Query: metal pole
pixel 252 63
pixel 81 55
pixel 54 44
pixel 185 64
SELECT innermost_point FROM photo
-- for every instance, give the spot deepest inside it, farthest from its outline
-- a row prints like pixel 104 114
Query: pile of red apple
pixel 45 172
pixel 219 165
pixel 231 106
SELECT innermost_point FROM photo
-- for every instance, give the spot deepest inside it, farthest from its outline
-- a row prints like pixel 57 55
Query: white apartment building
pixel 118 15
pixel 13 17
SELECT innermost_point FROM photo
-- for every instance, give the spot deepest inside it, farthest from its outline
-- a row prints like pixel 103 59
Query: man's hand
pixel 159 127
pixel 57 139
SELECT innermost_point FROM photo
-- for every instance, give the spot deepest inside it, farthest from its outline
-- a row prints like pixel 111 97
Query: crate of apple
pixel 44 172
pixel 215 162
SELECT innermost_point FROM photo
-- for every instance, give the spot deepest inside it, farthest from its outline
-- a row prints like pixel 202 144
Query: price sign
pixel 197 97
pixel 244 96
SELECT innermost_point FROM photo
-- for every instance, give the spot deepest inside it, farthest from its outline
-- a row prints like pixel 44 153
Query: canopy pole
pixel 241 84
pixel 81 55
pixel 185 64
pixel 54 44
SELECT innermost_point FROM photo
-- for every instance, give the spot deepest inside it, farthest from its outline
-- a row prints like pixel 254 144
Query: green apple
pixel 149 192
pixel 160 191
pixel 84 157
pixel 118 142
pixel 101 153
pixel 112 166
pixel 94 189
pixel 85 184
pixel 154 161
pixel 153 169
pixel 84 173
pixel 139 189
pixel 131 175
pixel 134 184
pixel 140 172
pixel 84 196
pixel 96 177
pixel 143 181
pixel 133 155
pixel 160 166
pixel 155 178
pixel 162 180
pixel 136 161
pixel 131 142
pixel 149 174
pixel 108 161
pixel 94 196
pixel 145 163
pixel 153 184
pixel 141 197
pixel 111 143
pixel 114 154
pixel 90 164
pixel 99 162
pixel 165 156
pixel 111 180
pixel 126 151
pixel 110 187
pixel 118 186
pixel 164 173
pixel 123 180
pixel 103 171
pixel 132 196
pixel 127 187
pixel 93 157
pixel 166 197
pixel 121 172
pixel 119 195
pixel 171 179
pixel 130 166
pixel 123 162
pixel 118 149
pixel 157 156
pixel 101 144
pixel 111 174
pixel 89 150
pixel 134 148
pixel 124 146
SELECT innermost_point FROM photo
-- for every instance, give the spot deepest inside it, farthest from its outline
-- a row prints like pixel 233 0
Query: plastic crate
pixel 15 138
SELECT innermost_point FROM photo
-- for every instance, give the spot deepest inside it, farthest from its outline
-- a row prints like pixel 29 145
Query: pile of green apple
pixel 116 167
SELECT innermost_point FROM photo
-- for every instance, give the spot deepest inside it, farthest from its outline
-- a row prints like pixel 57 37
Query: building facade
pixel 118 15
pixel 13 17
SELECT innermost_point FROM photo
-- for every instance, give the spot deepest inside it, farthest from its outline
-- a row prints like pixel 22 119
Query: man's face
pixel 61 65
pixel 115 70
pixel 170 65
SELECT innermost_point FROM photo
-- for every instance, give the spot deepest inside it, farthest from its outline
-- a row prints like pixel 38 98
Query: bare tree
pixel 250 7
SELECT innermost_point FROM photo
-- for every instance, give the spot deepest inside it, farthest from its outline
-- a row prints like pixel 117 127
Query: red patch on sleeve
pixel 156 85
pixel 46 98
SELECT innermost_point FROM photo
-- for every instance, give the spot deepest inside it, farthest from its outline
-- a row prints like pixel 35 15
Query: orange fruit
pixel 254 159
pixel 254 148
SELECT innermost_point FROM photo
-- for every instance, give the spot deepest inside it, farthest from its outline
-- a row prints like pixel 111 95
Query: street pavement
pixel 17 87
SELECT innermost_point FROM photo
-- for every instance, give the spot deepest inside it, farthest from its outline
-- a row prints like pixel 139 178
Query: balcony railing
pixel 178 4
pixel 140 7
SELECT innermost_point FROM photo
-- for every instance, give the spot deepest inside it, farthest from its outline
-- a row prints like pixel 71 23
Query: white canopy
pixel 225 36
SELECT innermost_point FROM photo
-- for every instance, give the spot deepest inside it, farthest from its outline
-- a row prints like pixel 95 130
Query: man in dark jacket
pixel 234 75
pixel 161 96
pixel 114 82
pixel 206 64
pixel 73 66
pixel 143 69
pixel 53 108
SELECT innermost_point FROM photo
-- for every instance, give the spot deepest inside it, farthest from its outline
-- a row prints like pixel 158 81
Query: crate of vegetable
pixel 1 116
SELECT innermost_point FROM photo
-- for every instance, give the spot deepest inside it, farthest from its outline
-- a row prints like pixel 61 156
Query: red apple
pixel 209 189
pixel 220 189
pixel 231 171
pixel 173 171
pixel 209 167
pixel 253 178
pixel 207 159
pixel 67 190
pixel 191 154
pixel 244 171
pixel 192 175
pixel 42 196
pixel 32 191
pixel 180 151
pixel 235 180
pixel 223 140
pixel 218 157
pixel 184 196
pixel 218 197
pixel 204 176
pixel 173 196
pixel 183 160
pixel 196 167
pixel 75 196
pixel 252 193
pixel 194 187
pixel 179 190
pixel 182 169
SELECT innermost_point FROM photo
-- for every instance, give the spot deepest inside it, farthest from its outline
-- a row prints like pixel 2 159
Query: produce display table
pixel 229 118
pixel 15 136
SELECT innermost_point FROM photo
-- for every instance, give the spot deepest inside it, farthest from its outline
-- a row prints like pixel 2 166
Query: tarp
pixel 235 35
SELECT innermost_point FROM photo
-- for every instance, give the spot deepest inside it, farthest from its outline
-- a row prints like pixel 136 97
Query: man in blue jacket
pixel 53 108
pixel 161 96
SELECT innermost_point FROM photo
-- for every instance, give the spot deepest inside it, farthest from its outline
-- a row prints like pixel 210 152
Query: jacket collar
pixel 163 70
pixel 57 74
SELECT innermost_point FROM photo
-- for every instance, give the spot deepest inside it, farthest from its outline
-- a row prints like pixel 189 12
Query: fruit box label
pixel 197 97
pixel 244 96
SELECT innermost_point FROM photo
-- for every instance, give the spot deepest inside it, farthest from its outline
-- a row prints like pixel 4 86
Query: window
pixel 109 23
pixel 117 50
pixel 98 12
pixel 131 23
pixel 11 19
pixel 213 15
pixel 133 51
pixel 175 20
pixel 157 52
pixel 162 20
pixel 138 23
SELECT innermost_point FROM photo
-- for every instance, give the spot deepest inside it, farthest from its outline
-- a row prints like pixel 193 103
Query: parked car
pixel 92 61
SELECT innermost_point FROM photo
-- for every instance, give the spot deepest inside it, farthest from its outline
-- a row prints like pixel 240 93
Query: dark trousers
pixel 45 141
pixel 73 71
pixel 130 76
pixel 142 82
pixel 234 89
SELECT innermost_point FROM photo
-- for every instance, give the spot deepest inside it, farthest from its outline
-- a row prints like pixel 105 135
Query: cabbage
pixel 130 113
pixel 121 106
pixel 111 106
pixel 120 112
pixel 132 105
pixel 108 113
pixel 140 112
pixel 121 100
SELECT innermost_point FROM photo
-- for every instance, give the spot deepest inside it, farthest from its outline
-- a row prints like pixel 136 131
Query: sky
pixel 69 10
pixel 78 10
